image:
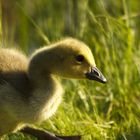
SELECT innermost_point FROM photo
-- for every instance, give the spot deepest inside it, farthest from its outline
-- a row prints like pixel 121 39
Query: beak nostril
pixel 95 71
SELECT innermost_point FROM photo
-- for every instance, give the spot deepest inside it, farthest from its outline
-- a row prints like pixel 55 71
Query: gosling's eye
pixel 80 58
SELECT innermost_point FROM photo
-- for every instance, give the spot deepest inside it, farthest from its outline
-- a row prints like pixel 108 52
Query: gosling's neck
pixel 39 67
pixel 39 71
pixel 47 92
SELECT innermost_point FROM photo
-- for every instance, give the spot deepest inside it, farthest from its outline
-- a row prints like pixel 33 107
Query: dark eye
pixel 80 58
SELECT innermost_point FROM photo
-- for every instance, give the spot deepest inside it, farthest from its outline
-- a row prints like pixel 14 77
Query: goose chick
pixel 30 91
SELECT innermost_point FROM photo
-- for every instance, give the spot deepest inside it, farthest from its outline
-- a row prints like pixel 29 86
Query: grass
pixel 96 111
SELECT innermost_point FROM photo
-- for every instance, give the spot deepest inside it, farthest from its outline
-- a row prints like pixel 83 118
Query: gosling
pixel 30 91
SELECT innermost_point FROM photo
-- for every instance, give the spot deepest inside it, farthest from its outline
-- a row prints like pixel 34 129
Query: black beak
pixel 96 75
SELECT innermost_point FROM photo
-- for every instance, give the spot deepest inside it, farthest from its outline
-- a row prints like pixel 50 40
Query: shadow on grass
pixel 133 135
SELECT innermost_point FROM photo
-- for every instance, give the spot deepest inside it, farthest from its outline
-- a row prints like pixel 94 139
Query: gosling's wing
pixel 13 71
pixel 18 80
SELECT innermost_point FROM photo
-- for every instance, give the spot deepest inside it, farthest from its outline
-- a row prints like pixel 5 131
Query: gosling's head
pixel 68 58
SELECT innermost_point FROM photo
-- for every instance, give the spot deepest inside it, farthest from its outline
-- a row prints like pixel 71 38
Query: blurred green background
pixel 111 28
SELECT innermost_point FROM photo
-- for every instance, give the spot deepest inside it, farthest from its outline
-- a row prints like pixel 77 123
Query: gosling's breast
pixel 45 102
pixel 52 105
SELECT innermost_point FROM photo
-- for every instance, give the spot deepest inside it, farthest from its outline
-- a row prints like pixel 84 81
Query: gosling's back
pixel 12 60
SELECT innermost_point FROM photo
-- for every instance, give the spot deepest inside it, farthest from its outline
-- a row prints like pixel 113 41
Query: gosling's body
pixel 20 101
pixel 29 88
